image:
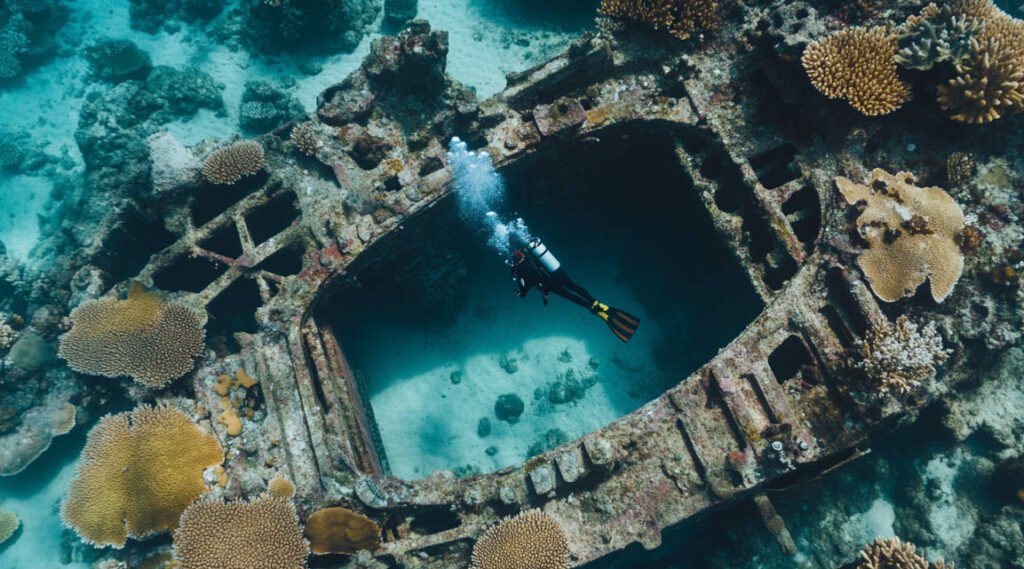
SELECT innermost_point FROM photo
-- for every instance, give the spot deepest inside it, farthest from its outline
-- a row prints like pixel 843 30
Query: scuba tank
pixel 541 253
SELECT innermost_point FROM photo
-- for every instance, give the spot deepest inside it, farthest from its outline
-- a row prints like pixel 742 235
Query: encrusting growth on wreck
pixel 912 235
pixel 261 534
pixel 859 66
pixel 223 386
pixel 138 472
pixel 529 540
pixel 141 337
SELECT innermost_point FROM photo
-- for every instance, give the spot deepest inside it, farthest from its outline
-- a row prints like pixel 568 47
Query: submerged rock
pixel 551 439
pixel 265 107
pixel 509 407
pixel 117 60
pixel 483 427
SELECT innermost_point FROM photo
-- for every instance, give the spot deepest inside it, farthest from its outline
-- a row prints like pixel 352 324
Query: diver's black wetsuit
pixel 529 273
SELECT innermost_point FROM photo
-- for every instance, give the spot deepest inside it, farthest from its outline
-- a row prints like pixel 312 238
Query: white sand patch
pixel 877 521
pixel 22 200
pixel 953 520
pixel 39 543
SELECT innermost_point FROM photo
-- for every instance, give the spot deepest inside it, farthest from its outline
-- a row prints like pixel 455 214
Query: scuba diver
pixel 541 269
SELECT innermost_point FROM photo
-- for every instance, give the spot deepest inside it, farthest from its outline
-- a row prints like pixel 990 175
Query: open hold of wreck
pixel 262 258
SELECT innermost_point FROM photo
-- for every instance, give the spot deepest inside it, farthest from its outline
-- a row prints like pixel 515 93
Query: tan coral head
pixel 911 234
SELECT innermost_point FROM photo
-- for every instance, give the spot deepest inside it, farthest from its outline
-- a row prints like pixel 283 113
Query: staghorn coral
pixel 858 65
pixel 681 18
pixel 141 337
pixel 911 232
pixel 891 553
pixel 138 472
pixel 8 525
pixel 232 163
pixel 261 534
pixel 988 85
pixel 934 36
pixel 898 358
pixel 530 540
pixel 340 530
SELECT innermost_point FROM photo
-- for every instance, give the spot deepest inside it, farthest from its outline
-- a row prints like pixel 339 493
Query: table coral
pixel 139 471
pixel 151 341
pixel 912 235
pixel 858 65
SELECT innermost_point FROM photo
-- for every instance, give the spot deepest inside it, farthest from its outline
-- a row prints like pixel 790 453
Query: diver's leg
pixel 570 296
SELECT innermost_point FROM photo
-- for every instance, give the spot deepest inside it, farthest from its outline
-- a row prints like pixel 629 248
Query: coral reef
pixel 232 163
pixel 899 358
pixel 912 235
pixel 508 407
pixel 530 540
pixel 265 107
pixel 313 26
pixel 681 18
pixel 891 553
pixel 263 534
pixel 151 341
pixel 117 60
pixel 340 530
pixel 138 472
pixel 858 65
pixel 935 35
pixel 28 34
pixel 8 525
pixel 988 85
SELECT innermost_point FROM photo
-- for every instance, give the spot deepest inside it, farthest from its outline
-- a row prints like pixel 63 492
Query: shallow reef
pixel 246 319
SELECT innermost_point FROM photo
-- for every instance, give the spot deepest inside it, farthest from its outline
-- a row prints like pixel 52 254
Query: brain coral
pixel 681 18
pixel 141 337
pixel 138 472
pixel 232 163
pixel 262 534
pixel 8 525
pixel 340 530
pixel 858 65
pixel 530 540
pixel 911 234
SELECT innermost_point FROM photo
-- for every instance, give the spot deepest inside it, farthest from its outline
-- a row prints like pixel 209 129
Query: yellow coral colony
pixel 531 540
pixel 138 472
pixel 140 337
pixel 281 488
pixel 858 65
pixel 340 530
pixel 229 417
pixel 262 534
pixel 911 234
pixel 8 525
